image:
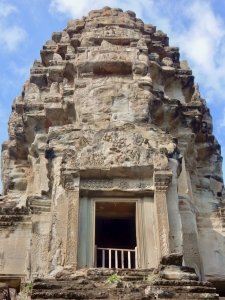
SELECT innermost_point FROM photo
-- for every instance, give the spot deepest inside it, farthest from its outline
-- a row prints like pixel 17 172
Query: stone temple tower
pixel 111 161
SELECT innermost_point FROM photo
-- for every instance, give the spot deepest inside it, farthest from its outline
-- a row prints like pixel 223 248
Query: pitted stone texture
pixel 136 285
pixel 108 108
pixel 4 292
pixel 177 273
pixel 175 259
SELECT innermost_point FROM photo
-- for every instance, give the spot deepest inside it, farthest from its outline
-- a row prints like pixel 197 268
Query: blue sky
pixel 196 26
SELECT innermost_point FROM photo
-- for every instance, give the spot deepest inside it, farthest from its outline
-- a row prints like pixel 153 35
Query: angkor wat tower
pixel 111 161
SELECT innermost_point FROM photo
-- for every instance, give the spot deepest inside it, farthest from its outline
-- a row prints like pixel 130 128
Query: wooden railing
pixel 120 260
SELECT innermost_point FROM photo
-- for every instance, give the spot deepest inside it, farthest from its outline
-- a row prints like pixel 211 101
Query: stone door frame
pixel 143 225
pixel 162 181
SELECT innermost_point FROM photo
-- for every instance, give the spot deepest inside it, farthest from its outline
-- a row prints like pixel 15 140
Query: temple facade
pixel 111 161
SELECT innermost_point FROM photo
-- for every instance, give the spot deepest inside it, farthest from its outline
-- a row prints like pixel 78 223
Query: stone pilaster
pixel 71 184
pixel 43 172
pixel 162 180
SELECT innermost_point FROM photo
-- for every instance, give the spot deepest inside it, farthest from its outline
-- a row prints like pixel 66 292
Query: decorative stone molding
pixel 116 183
pixel 71 182
pixel 72 227
pixel 38 204
pixel 68 179
pixel 162 181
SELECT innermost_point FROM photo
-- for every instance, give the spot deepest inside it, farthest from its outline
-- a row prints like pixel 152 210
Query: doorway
pixel 115 234
pixel 103 221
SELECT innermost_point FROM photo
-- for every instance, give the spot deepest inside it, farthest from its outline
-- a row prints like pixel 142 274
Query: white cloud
pixel 221 122
pixel 11 35
pixel 6 9
pixel 201 42
pixel 76 9
pixel 23 72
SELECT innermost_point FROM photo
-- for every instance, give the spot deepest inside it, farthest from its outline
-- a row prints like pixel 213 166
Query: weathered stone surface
pixel 110 115
pixel 4 292
pixel 175 259
pixel 135 284
pixel 178 273
pixel 13 294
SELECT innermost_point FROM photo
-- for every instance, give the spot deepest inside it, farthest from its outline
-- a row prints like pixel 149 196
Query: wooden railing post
pixel 136 258
pixel 103 258
pixel 116 260
pixel 95 256
pixel 110 258
pixel 129 262
pixel 122 259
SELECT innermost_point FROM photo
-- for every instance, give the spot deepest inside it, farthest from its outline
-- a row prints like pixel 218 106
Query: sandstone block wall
pixel 110 100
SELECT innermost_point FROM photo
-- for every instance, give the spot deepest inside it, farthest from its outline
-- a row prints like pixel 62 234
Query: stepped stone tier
pixel 111 146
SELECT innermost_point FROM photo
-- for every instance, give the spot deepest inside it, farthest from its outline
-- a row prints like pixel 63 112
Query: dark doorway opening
pixel 115 228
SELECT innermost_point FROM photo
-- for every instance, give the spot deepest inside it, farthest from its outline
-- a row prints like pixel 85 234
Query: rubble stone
pixel 175 259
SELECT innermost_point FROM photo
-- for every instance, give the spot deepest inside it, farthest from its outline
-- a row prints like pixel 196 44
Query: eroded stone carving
pixel 109 109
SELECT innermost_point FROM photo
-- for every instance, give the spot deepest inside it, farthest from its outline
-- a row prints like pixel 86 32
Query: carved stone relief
pixel 107 108
pixel 123 184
